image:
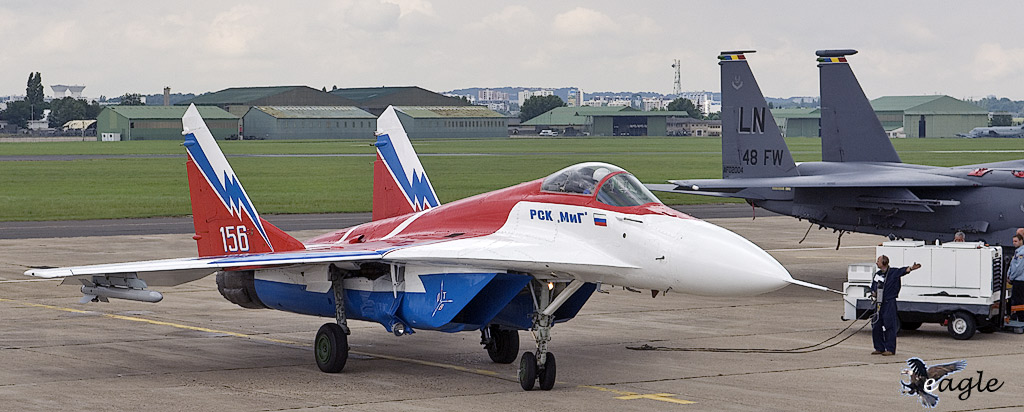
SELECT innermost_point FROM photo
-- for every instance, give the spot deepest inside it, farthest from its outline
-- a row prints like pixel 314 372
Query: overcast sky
pixel 962 49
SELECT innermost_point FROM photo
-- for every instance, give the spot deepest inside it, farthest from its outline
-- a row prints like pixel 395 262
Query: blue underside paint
pixel 452 302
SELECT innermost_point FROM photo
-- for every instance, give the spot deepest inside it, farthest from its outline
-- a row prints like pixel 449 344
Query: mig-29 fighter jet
pixel 524 257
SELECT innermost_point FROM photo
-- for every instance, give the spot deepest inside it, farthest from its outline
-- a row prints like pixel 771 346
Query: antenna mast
pixel 677 88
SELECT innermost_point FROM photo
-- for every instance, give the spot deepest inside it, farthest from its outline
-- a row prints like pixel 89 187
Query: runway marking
pixel 623 395
pixel 628 396
pixel 484 372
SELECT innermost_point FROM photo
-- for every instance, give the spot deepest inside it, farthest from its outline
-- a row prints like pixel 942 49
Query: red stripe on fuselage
pixel 478 215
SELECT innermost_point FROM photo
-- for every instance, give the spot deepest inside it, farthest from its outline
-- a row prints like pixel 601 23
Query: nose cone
pixel 726 264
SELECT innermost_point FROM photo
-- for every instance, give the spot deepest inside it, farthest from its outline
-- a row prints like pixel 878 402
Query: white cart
pixel 959 285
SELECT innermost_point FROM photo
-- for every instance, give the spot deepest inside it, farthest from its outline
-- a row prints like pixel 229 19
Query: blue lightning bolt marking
pixel 230 192
pixel 418 191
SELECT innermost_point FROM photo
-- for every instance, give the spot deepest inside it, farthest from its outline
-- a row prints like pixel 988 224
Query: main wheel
pixel 961 325
pixel 330 348
pixel 504 345
pixel 528 371
pixel 547 374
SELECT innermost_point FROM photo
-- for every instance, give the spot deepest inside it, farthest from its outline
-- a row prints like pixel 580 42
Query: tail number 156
pixel 235 238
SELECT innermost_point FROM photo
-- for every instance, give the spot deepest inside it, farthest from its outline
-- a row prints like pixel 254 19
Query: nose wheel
pixel 539 366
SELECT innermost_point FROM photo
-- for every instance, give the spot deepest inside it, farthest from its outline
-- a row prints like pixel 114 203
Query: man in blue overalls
pixel 885 288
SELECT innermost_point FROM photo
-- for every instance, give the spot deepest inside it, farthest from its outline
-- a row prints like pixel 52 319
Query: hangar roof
pixel 315 112
pixel 169 112
pixel 448 112
pixel 246 95
pixel 937 104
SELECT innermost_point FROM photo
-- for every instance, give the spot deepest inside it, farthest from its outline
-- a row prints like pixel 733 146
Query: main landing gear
pixel 330 348
pixel 502 344
pixel 539 366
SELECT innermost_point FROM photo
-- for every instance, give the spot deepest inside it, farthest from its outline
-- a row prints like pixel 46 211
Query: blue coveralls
pixel 1017 279
pixel 883 331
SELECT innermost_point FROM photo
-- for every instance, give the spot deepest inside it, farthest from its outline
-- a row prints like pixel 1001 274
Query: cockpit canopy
pixel 622 189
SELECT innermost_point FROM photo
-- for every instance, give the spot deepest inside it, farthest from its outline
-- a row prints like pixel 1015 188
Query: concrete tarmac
pixel 196 351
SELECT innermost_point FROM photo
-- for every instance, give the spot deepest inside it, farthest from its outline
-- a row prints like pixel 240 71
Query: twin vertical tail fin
pixel 400 185
pixel 225 220
pixel 850 130
pixel 752 145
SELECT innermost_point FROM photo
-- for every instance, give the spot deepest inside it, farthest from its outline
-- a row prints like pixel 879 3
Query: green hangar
pixel 928 116
pixel 603 121
pixel 159 122
pixel 431 122
pixel 308 122
pixel 901 116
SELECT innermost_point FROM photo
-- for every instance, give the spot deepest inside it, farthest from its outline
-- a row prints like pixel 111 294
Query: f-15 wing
pixel 736 187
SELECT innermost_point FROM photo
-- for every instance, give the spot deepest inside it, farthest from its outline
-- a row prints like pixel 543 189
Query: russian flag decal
pixel 600 220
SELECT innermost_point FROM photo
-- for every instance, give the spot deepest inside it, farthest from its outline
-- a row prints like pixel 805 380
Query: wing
pixel 895 178
pixel 919 368
pixel 938 371
pixel 172 272
pixel 893 185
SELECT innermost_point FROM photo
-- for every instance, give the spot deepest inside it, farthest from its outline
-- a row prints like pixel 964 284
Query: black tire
pixel 962 325
pixel 330 348
pixel 910 325
pixel 547 375
pixel 528 371
pixel 504 345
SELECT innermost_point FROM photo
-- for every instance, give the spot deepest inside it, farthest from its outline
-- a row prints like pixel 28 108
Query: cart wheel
pixel 961 325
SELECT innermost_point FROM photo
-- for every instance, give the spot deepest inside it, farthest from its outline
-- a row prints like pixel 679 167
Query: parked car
pixel 548 132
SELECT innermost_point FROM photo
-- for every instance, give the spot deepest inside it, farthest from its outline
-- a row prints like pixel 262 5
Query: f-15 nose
pixel 727 264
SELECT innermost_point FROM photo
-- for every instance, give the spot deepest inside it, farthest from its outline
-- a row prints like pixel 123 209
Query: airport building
pixel 159 122
pixel 433 122
pixel 901 116
pixel 238 100
pixel 929 116
pixel 603 121
pixel 308 122
pixel 803 122
pixel 687 126
pixel 376 99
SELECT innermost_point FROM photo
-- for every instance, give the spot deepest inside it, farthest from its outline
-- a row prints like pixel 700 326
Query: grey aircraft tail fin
pixel 850 130
pixel 752 145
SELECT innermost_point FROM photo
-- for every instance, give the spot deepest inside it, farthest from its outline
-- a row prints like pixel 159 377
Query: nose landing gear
pixel 539 366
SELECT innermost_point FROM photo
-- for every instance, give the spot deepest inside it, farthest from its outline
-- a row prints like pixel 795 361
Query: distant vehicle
pixel 547 132
pixel 998 131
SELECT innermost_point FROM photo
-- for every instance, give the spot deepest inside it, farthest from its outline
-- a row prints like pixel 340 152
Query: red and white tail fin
pixel 400 185
pixel 226 222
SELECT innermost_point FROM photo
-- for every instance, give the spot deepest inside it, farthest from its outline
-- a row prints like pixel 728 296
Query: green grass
pixel 119 188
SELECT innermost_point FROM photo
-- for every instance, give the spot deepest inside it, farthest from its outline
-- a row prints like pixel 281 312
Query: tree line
pixel 62 110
